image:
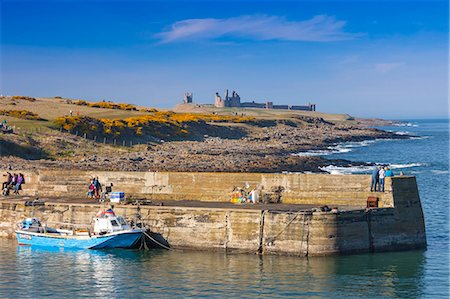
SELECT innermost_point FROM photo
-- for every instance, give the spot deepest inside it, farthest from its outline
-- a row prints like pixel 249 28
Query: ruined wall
pixel 317 189
pixel 305 233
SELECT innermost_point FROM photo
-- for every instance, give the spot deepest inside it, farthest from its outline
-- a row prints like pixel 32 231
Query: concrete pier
pixel 197 214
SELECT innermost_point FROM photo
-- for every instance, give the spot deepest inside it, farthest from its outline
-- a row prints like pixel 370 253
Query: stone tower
pixel 218 102
pixel 187 98
pixel 228 101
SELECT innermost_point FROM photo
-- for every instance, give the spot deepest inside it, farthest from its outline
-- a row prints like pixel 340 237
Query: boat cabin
pixel 110 224
pixel 31 224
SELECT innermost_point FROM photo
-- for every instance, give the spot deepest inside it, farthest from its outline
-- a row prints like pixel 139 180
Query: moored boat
pixel 109 231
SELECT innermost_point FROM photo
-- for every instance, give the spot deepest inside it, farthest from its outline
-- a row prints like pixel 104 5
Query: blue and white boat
pixel 110 231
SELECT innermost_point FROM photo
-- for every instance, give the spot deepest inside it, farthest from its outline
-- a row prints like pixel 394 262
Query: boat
pixel 109 231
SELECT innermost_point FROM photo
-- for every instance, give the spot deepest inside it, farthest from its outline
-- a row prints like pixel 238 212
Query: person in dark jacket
pixel 98 187
pixel 8 181
pixel 375 178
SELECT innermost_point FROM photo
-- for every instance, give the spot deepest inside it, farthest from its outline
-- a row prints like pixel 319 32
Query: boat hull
pixel 122 239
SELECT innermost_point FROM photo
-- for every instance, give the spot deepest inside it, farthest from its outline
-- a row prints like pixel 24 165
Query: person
pixel 19 182
pixel 91 188
pixel 388 172
pixel 6 183
pixel 107 191
pixel 375 177
pixel 381 176
pixel 14 180
pixel 98 187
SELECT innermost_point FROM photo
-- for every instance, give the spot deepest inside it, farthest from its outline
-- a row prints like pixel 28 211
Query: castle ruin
pixel 187 98
pixel 235 101
pixel 228 101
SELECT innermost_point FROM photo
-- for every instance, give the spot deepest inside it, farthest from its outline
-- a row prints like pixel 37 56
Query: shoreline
pixel 267 144
pixel 274 154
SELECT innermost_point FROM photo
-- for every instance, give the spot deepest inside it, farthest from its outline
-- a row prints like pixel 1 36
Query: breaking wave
pixel 402 133
pixel 333 169
pixel 344 147
pixel 439 171
pixel 419 137
pixel 405 125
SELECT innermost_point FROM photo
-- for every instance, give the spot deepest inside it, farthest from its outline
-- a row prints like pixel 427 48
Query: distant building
pixel 235 101
pixel 187 98
pixel 228 101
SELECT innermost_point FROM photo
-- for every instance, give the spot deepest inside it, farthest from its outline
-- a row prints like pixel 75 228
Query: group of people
pixel 94 188
pixel 379 174
pixel 13 181
pixel 4 127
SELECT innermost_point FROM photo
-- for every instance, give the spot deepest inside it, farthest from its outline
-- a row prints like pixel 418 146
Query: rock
pixel 136 159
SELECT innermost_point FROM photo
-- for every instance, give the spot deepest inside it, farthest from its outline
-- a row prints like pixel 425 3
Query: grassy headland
pixel 91 135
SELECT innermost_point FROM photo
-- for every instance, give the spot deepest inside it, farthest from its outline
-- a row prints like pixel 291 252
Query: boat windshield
pixel 121 221
pixel 114 223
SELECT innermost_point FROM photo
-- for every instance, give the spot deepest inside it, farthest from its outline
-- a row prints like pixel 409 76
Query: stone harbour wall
pixel 317 189
pixel 305 233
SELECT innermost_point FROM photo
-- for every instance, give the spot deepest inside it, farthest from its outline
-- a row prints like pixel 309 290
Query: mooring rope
pixel 284 228
pixel 153 239
pixel 303 234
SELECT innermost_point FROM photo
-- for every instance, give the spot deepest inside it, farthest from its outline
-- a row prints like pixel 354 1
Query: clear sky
pixel 366 58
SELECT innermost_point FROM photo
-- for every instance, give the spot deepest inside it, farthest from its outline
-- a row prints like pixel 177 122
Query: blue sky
pixel 366 58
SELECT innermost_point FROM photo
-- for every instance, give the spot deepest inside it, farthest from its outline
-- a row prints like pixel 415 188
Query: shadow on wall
pixel 29 152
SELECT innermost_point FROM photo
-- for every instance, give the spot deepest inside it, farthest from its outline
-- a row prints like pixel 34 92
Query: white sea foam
pixel 402 133
pixel 344 147
pixel 419 137
pixel 397 166
pixel 439 171
pixel 333 169
pixel 405 125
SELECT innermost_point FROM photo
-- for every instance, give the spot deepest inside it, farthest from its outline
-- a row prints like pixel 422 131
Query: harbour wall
pixel 317 189
pixel 397 225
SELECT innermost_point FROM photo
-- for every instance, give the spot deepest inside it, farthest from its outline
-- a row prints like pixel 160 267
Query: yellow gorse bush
pixel 160 124
pixel 25 98
pixel 106 105
pixel 23 114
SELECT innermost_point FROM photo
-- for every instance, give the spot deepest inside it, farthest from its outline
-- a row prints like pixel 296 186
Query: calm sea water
pixel 27 272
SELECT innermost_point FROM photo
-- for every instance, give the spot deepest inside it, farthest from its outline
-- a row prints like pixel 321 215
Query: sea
pixel 29 272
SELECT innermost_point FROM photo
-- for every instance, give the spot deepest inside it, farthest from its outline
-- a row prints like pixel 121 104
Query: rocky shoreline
pixel 262 149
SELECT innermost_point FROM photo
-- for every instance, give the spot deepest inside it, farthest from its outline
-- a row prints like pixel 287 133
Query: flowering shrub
pixel 159 124
pixel 25 98
pixel 24 114
pixel 107 105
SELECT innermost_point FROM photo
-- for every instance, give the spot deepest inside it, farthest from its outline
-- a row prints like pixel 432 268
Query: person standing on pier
pixel 388 172
pixel 381 176
pixel 375 177
pixel 98 187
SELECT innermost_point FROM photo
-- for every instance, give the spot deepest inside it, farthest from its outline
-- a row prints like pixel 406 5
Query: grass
pixel 260 113
pixel 51 108
pixel 26 124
